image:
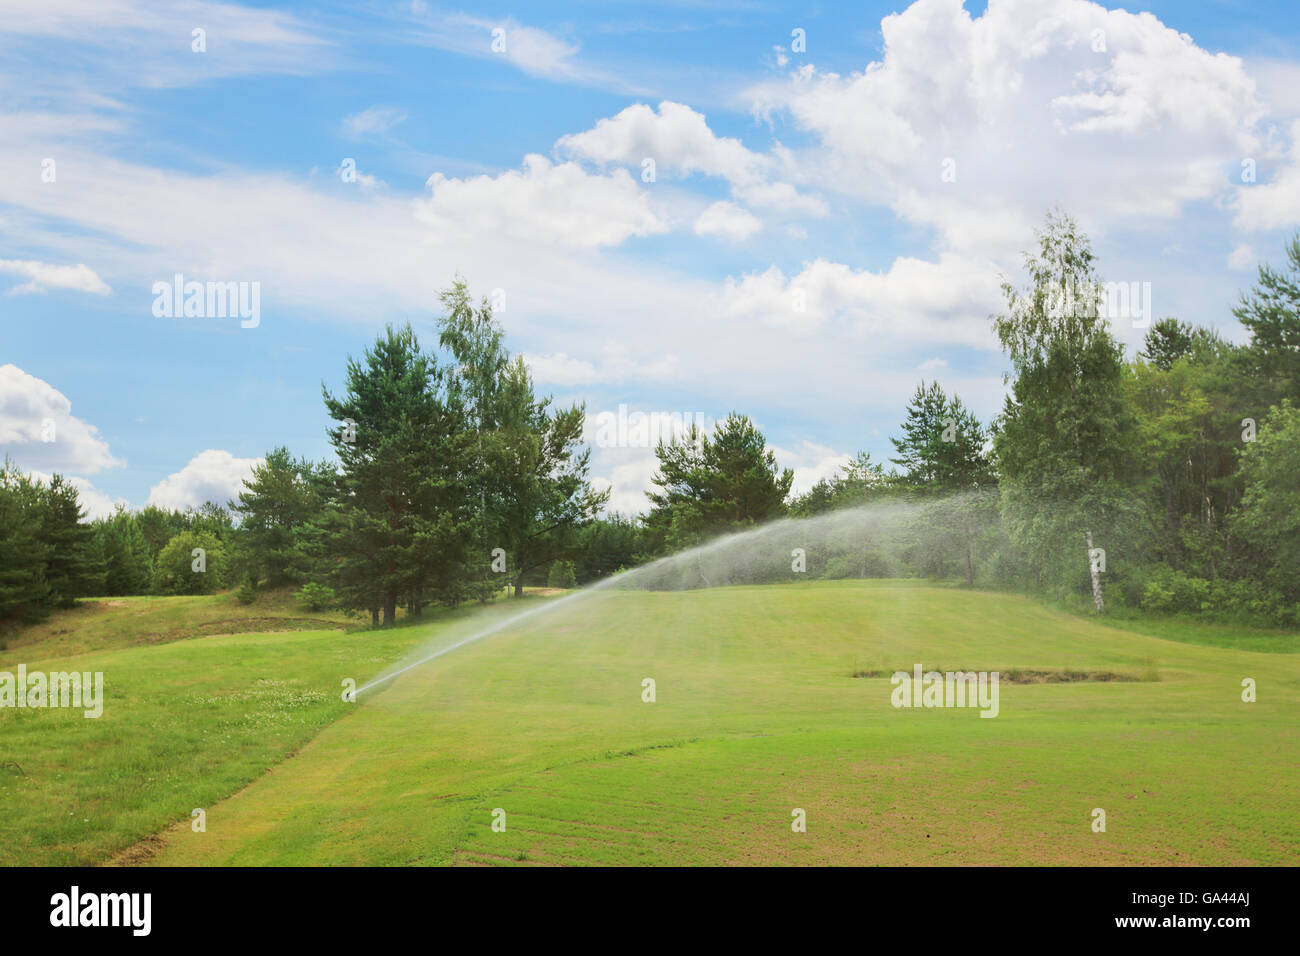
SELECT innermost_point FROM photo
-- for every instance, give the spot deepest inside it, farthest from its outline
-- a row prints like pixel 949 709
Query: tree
pixel 606 546
pixel 404 515
pixel 279 501
pixel 541 477
pixel 24 593
pixel 123 554
pixel 71 570
pixel 475 343
pixel 1271 312
pixel 942 448
pixel 528 473
pixel 712 484
pixel 856 483
pixel 1062 448
pixel 561 575
pixel 192 562
pixel 1269 518
pixel 1186 429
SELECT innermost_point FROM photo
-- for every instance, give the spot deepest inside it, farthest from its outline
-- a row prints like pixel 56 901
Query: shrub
pixel 561 575
pixel 1171 591
pixel 317 597
pixel 247 593
pixel 179 570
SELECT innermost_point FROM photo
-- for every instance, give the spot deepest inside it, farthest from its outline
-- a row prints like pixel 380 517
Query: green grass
pixel 98 624
pixel 757 714
pixel 1192 630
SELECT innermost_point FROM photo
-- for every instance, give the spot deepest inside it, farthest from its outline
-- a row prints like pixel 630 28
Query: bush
pixel 180 570
pixel 1169 591
pixel 247 593
pixel 317 597
pixel 561 575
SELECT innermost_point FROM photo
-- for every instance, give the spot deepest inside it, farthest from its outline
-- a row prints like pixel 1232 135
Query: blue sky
pixel 781 175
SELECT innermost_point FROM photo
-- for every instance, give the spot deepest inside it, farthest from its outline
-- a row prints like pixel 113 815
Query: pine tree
pixel 24 593
pixel 713 484
pixel 404 513
pixel 71 568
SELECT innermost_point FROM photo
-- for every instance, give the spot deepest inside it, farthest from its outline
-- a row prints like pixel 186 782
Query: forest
pixel 1175 473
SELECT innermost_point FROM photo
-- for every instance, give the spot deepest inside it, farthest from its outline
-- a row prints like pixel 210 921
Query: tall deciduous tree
pixel 1062 449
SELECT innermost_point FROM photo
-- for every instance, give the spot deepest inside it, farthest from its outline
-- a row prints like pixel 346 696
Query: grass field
pixel 757 714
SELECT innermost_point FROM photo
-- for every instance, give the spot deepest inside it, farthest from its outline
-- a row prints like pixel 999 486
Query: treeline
pixel 1170 481
pixel 50 556
pixel 451 476
pixel 1175 477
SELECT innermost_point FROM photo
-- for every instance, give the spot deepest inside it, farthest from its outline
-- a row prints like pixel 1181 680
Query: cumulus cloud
pixel 94 503
pixel 681 143
pixel 914 300
pixel 614 362
pixel 727 220
pixel 211 475
pixel 677 138
pixel 41 277
pixel 1127 118
pixel 627 474
pixel 1274 204
pixel 39 431
pixel 547 203
pixel 811 462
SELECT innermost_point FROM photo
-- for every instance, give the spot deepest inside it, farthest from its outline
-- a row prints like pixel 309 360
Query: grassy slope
pixel 756 715
pixel 186 722
pixel 100 624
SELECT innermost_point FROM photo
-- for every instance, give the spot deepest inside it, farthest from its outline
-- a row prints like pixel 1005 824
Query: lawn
pixel 757 714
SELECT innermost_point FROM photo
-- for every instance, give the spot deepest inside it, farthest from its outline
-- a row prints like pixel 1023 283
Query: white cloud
pixel 949 300
pixel 375 121
pixel 532 50
pixel 136 43
pixel 211 475
pixel 559 369
pixel 1029 114
pixel 627 473
pixel 42 277
pixel 94 503
pixel 546 203
pixel 614 363
pixel 727 220
pixel 811 463
pixel 681 143
pixel 1241 258
pixel 38 429
pixel 1273 204
pixel 677 138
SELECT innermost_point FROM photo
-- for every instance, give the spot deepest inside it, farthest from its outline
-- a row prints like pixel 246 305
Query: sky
pixel 793 211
